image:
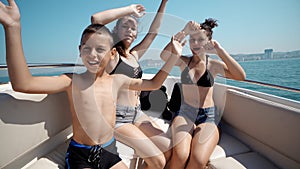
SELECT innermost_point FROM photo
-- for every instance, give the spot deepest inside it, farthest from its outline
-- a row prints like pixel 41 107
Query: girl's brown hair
pixel 208 25
pixel 119 45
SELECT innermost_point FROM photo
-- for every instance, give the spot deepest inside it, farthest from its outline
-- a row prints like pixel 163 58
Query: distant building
pixel 150 63
pixel 268 54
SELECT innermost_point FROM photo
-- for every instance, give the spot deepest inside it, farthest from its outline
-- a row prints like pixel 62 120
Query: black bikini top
pixel 206 80
pixel 125 69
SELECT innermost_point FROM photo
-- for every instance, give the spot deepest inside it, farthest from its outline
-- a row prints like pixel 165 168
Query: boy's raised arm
pixel 187 30
pixel 19 74
pixel 160 77
pixel 169 48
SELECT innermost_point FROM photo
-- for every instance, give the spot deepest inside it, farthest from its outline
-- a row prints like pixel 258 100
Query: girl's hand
pixel 211 47
pixel 178 42
pixel 190 27
pixel 9 15
pixel 138 10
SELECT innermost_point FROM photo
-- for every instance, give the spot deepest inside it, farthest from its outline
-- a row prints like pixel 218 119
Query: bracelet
pixel 183 32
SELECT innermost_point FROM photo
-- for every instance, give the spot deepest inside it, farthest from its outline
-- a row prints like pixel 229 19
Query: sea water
pixel 283 72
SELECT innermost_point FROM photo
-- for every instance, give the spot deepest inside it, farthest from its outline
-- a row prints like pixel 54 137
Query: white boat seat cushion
pixel 251 160
pixel 228 146
pixel 53 160
pixel 231 145
pixel 226 163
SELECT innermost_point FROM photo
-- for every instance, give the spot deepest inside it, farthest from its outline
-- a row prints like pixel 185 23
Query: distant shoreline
pixel 157 63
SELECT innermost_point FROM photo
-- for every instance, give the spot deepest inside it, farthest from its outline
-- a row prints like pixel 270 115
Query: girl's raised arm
pixel 19 74
pixel 142 47
pixel 105 17
pixel 231 67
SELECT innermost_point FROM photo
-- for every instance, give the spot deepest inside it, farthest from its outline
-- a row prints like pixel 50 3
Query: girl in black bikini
pixel 194 130
pixel 133 127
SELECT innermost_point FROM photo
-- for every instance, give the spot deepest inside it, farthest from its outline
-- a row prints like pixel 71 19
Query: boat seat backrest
pixel 263 124
pixel 31 124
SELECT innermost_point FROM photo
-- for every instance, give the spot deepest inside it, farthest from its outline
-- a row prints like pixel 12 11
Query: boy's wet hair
pixel 97 28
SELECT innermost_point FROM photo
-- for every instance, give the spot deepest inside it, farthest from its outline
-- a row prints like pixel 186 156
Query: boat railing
pixel 61 65
pixel 41 65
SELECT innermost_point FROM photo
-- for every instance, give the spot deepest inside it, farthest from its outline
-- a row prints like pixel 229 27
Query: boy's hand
pixel 9 15
pixel 138 10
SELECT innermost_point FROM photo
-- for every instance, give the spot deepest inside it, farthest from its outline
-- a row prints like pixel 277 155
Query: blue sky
pixel 51 29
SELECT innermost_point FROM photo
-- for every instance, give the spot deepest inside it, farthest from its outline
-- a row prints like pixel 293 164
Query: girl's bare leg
pixel 206 137
pixel 182 130
pixel 151 129
pixel 132 136
pixel 120 165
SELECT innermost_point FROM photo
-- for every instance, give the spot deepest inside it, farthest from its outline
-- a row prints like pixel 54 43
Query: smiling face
pixel 197 41
pixel 126 30
pixel 95 51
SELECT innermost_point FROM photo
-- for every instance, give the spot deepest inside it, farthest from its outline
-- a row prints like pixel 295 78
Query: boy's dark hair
pixel 97 28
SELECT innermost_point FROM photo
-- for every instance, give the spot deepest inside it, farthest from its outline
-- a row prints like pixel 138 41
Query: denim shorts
pixel 197 115
pixel 127 114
